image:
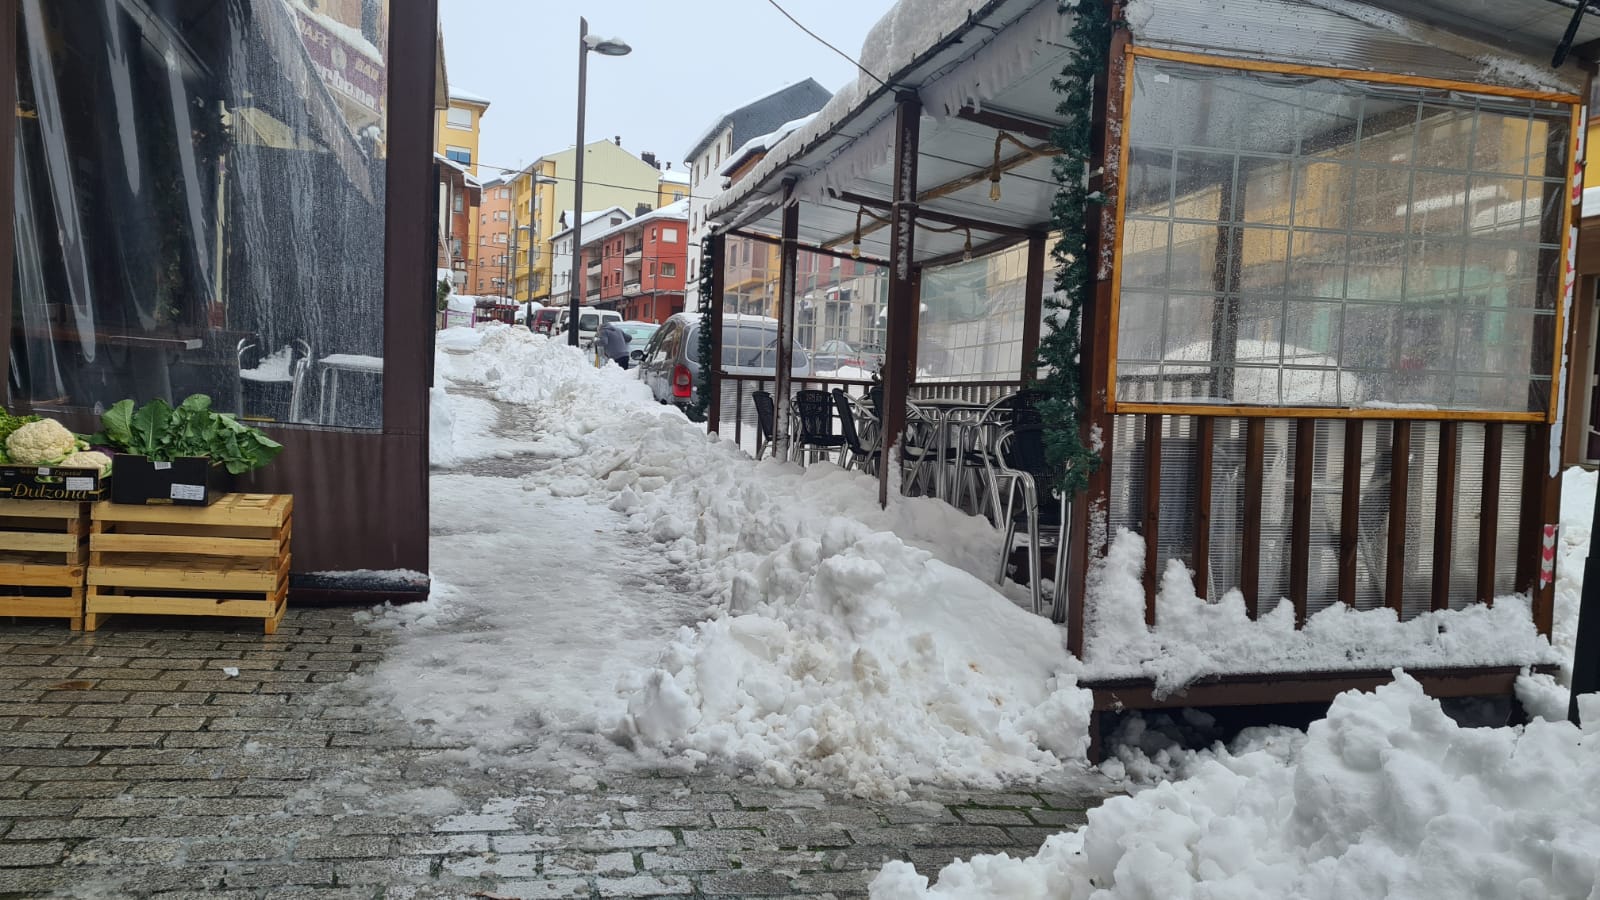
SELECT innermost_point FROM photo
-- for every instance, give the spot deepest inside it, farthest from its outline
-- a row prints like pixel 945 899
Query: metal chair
pixel 1018 455
pixel 814 426
pixel 766 420
pixel 862 455
pixel 300 357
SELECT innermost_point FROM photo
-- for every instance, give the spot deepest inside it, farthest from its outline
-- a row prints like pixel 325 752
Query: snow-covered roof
pixel 468 97
pixel 673 212
pixel 588 217
pixel 764 113
pixel 761 143
pixel 675 176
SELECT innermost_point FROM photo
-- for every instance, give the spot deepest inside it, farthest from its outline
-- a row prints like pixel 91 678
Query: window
pixel 502 216
pixel 669 270
pixel 500 239
pixel 670 235
pixel 505 194
pixel 459 203
pixel 459 117
pixel 1328 243
pixel 652 233
pixel 461 155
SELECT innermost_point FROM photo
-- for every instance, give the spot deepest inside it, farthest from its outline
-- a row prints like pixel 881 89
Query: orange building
pixel 490 271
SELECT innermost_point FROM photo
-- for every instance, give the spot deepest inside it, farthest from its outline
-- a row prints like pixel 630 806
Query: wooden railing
pixel 1405 514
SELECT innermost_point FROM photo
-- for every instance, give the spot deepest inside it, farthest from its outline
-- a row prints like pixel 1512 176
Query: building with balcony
pixel 640 267
pixel 731 132
pixel 543 190
pixel 561 250
pixel 489 272
pixel 459 197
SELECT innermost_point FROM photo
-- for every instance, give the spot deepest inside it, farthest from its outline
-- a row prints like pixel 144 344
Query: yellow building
pixel 544 190
pixel 674 187
pixel 458 127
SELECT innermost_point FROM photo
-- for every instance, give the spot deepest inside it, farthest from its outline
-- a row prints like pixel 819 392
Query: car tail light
pixel 682 383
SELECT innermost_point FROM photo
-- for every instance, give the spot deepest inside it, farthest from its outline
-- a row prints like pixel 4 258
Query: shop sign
pixel 344 59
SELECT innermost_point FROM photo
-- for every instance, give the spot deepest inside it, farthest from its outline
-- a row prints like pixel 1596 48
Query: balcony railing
pixel 630 287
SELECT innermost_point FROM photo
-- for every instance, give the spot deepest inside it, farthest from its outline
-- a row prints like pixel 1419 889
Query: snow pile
pixel 461 339
pixel 1387 798
pixel 854 644
pixel 1194 637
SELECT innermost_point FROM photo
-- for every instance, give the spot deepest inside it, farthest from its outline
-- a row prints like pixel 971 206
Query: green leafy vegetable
pixel 163 433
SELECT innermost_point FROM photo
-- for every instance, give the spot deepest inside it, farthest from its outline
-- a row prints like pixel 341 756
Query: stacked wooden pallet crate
pixel 227 559
pixel 43 559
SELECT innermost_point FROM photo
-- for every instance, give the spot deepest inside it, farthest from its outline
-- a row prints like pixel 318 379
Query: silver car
pixel 670 362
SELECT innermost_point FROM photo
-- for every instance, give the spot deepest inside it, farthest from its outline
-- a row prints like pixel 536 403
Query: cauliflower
pixel 87 459
pixel 40 443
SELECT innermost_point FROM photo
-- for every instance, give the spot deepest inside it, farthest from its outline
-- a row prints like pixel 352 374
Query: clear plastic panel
pixel 972 319
pixel 200 207
pixel 1389 212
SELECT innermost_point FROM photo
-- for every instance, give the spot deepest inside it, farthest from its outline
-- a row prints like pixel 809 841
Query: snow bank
pixel 1542 695
pixel 855 644
pixel 1387 798
pixel 1194 637
pixel 461 338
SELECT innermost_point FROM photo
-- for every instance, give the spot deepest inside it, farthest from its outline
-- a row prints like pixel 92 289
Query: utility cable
pixel 818 39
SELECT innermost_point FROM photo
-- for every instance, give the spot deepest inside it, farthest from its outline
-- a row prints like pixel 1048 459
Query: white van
pixel 589 322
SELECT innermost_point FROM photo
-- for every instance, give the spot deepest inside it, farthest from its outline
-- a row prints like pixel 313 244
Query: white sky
pixel 692 61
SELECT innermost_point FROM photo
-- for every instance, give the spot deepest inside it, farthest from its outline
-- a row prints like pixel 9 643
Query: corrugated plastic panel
pixel 1505 558
pixel 1422 497
pixel 1305 33
pixel 1277 500
pixel 1327 485
pixel 1227 506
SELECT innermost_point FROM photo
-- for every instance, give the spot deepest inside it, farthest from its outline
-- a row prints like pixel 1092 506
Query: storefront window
pixel 200 207
pixel 1319 243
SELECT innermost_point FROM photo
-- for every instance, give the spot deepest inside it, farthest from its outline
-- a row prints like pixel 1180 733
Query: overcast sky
pixel 692 61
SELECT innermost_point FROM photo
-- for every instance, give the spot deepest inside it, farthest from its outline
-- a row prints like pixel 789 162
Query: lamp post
pixel 605 47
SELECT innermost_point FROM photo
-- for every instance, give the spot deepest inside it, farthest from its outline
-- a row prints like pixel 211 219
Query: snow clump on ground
pixel 1387 797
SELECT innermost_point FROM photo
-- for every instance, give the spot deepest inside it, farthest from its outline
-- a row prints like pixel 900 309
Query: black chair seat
pixel 823 440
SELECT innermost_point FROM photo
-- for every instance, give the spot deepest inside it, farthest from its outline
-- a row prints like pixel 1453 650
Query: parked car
pixel 638 333
pixel 670 362
pixel 839 357
pixel 544 320
pixel 589 322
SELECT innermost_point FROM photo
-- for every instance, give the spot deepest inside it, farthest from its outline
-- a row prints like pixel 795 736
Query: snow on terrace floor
pixel 830 642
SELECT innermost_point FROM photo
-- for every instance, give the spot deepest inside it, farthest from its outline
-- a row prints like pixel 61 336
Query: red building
pixel 459 199
pixel 640 267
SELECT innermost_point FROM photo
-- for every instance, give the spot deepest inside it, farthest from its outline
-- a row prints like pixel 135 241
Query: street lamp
pixel 605 47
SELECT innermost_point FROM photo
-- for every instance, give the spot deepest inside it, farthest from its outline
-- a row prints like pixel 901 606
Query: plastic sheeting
pixel 196 189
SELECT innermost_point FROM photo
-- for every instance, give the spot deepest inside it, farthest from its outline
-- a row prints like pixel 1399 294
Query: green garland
pixel 696 411
pixel 1060 350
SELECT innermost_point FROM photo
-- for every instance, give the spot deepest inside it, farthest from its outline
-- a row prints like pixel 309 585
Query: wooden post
pixel 1444 513
pixel 1255 478
pixel 1305 460
pixel 1399 491
pixel 1541 507
pixel 1105 156
pixel 1033 307
pixel 903 300
pixel 719 279
pixel 1494 438
pixel 1152 514
pixel 788 272
pixel 1350 511
pixel 1205 440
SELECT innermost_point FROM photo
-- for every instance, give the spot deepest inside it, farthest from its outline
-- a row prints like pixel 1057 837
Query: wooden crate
pixel 227 559
pixel 43 558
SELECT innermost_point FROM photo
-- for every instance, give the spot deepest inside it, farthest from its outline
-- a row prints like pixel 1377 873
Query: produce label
pixel 188 491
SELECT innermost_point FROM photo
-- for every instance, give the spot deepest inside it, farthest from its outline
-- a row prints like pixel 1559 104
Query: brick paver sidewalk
pixel 134 762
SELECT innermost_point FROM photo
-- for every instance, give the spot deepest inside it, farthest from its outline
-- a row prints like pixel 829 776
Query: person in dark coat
pixel 613 343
